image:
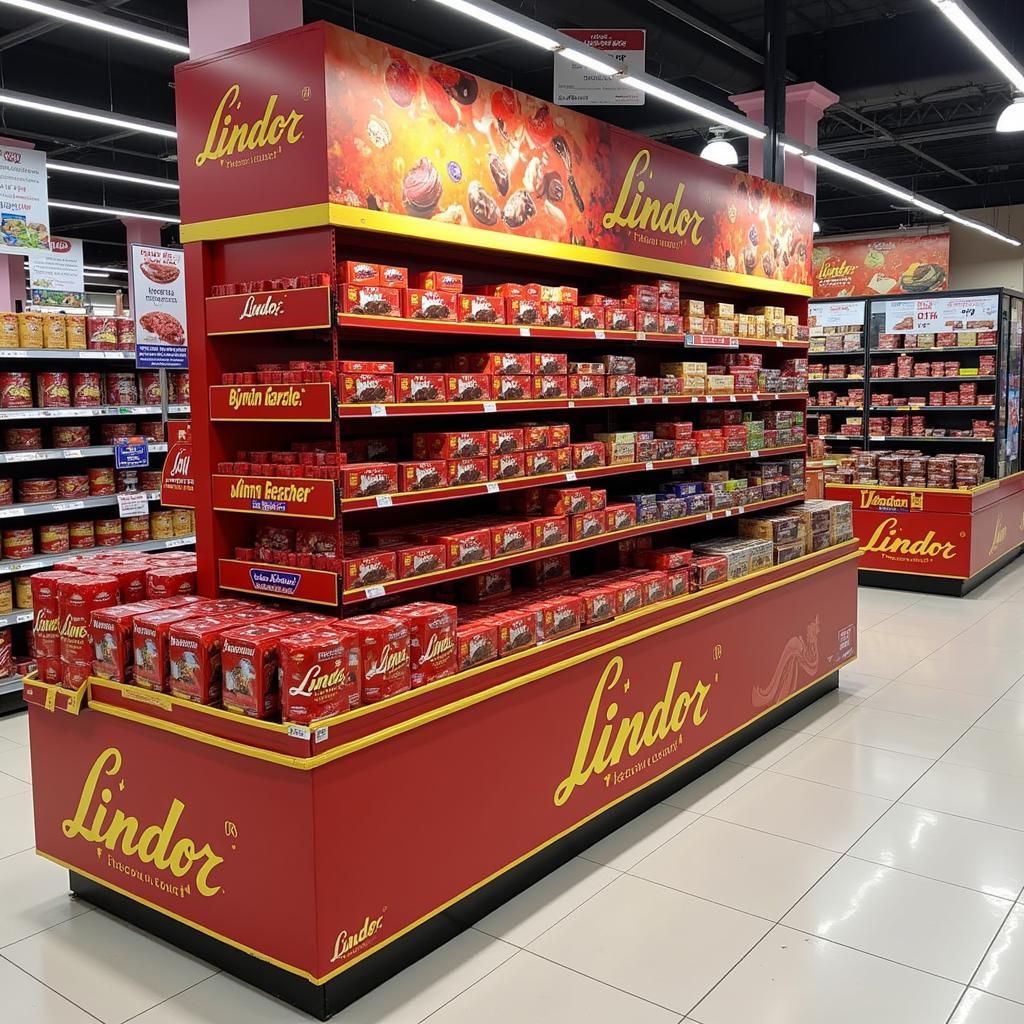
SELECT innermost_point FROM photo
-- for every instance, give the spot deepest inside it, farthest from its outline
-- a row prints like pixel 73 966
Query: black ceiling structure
pixel 918 104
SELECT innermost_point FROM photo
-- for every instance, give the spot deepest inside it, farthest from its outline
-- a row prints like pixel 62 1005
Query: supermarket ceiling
pixel 918 104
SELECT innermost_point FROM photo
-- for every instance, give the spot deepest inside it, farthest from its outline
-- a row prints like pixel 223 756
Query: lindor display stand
pixel 317 862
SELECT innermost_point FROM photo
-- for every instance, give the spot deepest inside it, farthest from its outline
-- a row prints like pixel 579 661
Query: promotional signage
pixel 882 266
pixel 24 209
pixel 291 309
pixel 312 585
pixel 262 403
pixel 836 314
pixel 601 725
pixel 132 503
pixel 56 275
pixel 578 86
pixel 935 314
pixel 158 304
pixel 177 485
pixel 132 453
pixel 272 495
pixel 398 143
pixel 709 341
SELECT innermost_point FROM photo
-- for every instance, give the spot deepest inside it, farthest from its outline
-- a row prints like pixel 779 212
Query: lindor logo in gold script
pixel 606 736
pixel 347 941
pixel 228 136
pixel 892 502
pixel 999 535
pixel 829 270
pixel 154 844
pixel 887 540
pixel 634 209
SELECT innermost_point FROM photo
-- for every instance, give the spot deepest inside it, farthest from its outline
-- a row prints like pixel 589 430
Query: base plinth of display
pixel 325 1000
pixel 935 584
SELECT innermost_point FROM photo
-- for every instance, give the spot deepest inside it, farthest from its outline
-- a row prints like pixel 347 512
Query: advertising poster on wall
pixel 158 305
pixel 56 275
pixel 24 213
pixel 955 313
pixel 578 86
pixel 890 265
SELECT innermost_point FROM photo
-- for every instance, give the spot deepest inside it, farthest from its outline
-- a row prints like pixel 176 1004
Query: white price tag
pixel 664 399
pixel 599 335
pixel 377 591
pixel 641 335
pixel 632 400
pixel 321 734
pixel 132 503
pixel 648 466
pixel 68 506
pixel 524 332
pixel 384 501
pixel 728 512
pixel 708 516
pixel 378 410
pixel 298 732
pixel 72 453
pixel 492 487
pixel 780 344
pixel 15 353
pixel 755 455
pixel 732 398
pixel 694 462
pixel 709 398
pixel 755 397
pixel 570 404
pixel 570 476
pixel 490 406
pixel 179 542
pixel 741 510
pixel 13 511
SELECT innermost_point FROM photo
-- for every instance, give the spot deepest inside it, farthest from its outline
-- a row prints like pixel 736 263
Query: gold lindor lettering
pixel 227 136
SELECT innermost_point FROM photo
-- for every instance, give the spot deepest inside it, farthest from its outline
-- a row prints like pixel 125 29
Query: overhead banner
pixel 942 314
pixel 836 314
pixel 24 209
pixel 158 305
pixel 578 86
pixel 889 265
pixel 398 143
pixel 56 275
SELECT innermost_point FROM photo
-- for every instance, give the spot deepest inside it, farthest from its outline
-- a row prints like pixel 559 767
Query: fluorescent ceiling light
pixel 94 273
pixel 78 16
pixel 108 270
pixel 98 172
pixel 110 211
pixel 961 17
pixel 977 226
pixel 927 206
pixel 1012 118
pixel 719 150
pixel 18 99
pixel 571 53
pixel 816 227
pixel 865 179
pixel 655 87
pixel 792 150
pixel 500 18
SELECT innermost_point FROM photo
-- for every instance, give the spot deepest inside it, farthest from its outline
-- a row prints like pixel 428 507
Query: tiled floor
pixel 862 864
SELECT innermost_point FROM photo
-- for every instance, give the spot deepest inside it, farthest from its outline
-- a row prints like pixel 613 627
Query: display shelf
pixel 835 352
pixel 563 476
pixel 931 351
pixel 407 409
pixel 34 562
pixel 933 440
pixel 39 508
pixel 10 684
pixel 15 618
pixel 91 412
pixel 410 329
pixel 933 408
pixel 965 379
pixel 361 594
pixel 839 437
pixel 48 454
pixel 64 354
pixel 835 408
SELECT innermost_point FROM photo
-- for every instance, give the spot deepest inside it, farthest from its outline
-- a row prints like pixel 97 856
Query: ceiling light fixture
pixel 600 66
pixel 977 226
pixel 94 273
pixel 1012 118
pixel 719 150
pixel 108 270
pixel 110 211
pixel 98 172
pixel 816 227
pixel 679 98
pixel 962 18
pixel 501 18
pixel 76 16
pixel 135 124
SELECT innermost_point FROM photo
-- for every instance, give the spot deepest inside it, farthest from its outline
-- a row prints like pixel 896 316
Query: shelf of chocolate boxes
pixel 40 333
pixel 381 290
pixel 908 468
pixel 251 659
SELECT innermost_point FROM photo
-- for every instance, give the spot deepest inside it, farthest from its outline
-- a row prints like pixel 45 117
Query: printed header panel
pixel 413 138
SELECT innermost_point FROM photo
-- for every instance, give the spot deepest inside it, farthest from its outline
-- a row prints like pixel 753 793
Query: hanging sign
pixel 579 86
pixel 158 304
pixel 56 275
pixel 177 485
pixel 836 314
pixel 942 314
pixel 24 213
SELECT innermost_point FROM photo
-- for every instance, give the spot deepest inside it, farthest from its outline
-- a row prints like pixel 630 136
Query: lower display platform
pixel 317 871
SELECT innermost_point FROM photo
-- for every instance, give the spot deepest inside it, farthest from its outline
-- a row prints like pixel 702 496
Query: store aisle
pixel 864 862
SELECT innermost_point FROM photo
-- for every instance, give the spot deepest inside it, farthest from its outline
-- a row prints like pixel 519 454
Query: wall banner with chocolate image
pixel 158 305
pixel 883 265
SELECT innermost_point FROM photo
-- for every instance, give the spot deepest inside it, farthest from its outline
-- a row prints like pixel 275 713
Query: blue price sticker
pixel 132 453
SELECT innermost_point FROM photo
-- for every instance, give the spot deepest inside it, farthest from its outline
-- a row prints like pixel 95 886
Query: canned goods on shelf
pixel 161 525
pixel 15 390
pixel 30 330
pixel 53 389
pixel 108 533
pixel 23 592
pixel 6 597
pixel 86 390
pixel 41 488
pixel 55 331
pixel 81 534
pixel 54 538
pixel 18 543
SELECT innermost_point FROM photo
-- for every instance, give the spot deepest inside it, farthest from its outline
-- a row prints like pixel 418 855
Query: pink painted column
pixel 805 103
pixel 13 268
pixel 215 25
pixel 141 232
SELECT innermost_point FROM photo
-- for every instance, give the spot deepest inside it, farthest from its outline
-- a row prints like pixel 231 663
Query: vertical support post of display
pixel 774 88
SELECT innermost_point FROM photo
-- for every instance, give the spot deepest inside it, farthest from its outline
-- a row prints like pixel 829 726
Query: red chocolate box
pixel 549 530
pixel 429 304
pixel 468 387
pixel 456 444
pixel 524 311
pixel 507 467
pixel 394 277
pixel 620 385
pixel 438 280
pixel 170 582
pixel 511 389
pixel 517 631
pixel 511 538
pixel 371 300
pixel 357 272
pixel 467 471
pixel 597 604
pixel 619 318
pixel 550 386
pixel 562 615
pixel 481 309
pixel 620 516
pixel 320 673
pixel 432 640
pixel 363 479
pixel 467 546
pixel 566 500
pixel 550 362
pixel 250 666
pixel 503 440
pixel 78 596
pixel 545 461
pixel 417 559
pixel 370 566
pixel 536 436
pixel 366 366
pixel 111 630
pixel 193 650
pixel 586 524
pixel 586 385
pixel 362 388
pixel 556 314
pixel 502 364
pixel 588 454
pixel 420 387
pixel 588 317
pixel 477 643
pixel 422 475
pixel 384 655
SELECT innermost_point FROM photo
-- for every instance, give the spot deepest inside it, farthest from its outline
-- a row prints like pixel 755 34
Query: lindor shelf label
pixel 281 581
pixel 289 309
pixel 295 403
pixel 298 497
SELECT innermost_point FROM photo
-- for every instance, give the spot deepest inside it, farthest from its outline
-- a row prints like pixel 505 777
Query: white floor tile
pixel 1000 628
pixel 643 835
pixel 108 968
pixel 15 727
pixel 1004 716
pixel 928 702
pixel 769 748
pixel 1016 692
pixel 860 684
pixel 27 1001
pixel 33 896
pixel 889 655
pixel 1002 972
pixel 906 734
pixel 16 762
pixel 701 795
pixel 984 796
pixel 792 978
pixel 949 848
pixel 979 1007
pixel 833 819
pixel 936 626
pixel 871 770
pixel 665 946
pixel 10 786
pixel 530 990
pixel 17 828
pixel 932 926
pixel 739 867
pixel 961 665
pixel 868 617
pixel 879 599
pixel 822 713
pixel 988 750
pixel 964 611
pixel 544 904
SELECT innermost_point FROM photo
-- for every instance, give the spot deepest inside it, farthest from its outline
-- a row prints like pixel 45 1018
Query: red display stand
pixel 316 862
pixel 936 540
